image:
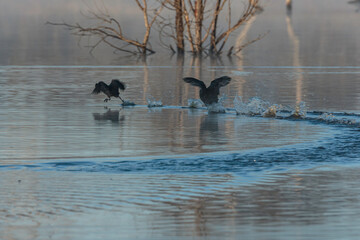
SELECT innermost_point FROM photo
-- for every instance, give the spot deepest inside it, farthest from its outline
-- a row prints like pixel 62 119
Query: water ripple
pixel 342 149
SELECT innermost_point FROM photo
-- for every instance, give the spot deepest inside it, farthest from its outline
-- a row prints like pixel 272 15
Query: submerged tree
pixel 201 21
pixel 108 30
pixel 179 26
pixel 195 25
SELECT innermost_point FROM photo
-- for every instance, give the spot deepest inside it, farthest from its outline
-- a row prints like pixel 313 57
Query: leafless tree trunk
pixel 214 27
pixel 199 17
pixel 196 34
pixel 179 26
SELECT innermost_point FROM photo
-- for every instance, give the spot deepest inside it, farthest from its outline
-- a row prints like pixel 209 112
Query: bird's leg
pixel 121 99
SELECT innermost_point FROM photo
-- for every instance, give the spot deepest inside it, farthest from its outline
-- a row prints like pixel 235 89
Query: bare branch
pixel 213 26
pixel 109 29
pixel 249 12
pixel 261 36
pixel 140 6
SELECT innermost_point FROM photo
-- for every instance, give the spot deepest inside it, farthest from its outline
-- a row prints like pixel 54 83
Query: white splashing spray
pixel 153 103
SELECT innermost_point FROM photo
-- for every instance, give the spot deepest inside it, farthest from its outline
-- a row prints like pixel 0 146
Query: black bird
pixel 111 90
pixel 209 95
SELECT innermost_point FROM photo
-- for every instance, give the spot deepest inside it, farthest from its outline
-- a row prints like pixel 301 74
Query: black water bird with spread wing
pixel 111 90
pixel 209 95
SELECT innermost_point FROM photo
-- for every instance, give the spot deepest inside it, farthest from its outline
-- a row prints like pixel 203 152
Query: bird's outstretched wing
pixel 194 82
pixel 101 87
pixel 117 84
pixel 220 82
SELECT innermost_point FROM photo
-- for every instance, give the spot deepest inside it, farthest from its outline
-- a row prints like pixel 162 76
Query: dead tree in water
pixel 288 4
pixel 179 26
pixel 196 24
pixel 200 20
pixel 214 27
pixel 108 30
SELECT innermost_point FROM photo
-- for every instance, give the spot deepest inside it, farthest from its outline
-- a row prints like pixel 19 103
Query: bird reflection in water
pixel 212 131
pixel 209 123
pixel 109 115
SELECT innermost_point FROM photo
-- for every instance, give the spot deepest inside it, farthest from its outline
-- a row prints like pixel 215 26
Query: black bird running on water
pixel 111 90
pixel 209 95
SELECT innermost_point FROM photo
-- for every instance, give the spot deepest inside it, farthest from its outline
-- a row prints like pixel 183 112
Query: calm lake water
pixel 74 167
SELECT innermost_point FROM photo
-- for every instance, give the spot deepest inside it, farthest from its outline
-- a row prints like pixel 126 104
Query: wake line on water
pixel 256 107
pixel 343 148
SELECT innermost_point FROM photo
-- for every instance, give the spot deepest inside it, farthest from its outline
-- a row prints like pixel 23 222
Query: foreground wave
pixel 343 148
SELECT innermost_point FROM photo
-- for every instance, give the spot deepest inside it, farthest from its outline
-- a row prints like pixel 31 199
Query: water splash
pixel 254 107
pixel 271 111
pixel 195 103
pixel 299 111
pixel 223 98
pixel 240 106
pixel 128 103
pixel 216 108
pixel 258 107
pixel 327 117
pixel 153 103
pixel 330 118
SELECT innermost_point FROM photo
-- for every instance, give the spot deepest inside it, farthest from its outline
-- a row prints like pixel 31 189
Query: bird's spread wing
pixel 117 84
pixel 220 82
pixel 194 82
pixel 101 87
pixel 96 90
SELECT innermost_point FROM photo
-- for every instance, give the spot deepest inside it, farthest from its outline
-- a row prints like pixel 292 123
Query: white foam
pixel 195 103
pixel 331 118
pixel 271 111
pixel 255 106
pixel 216 108
pixel 153 103
pixel 299 111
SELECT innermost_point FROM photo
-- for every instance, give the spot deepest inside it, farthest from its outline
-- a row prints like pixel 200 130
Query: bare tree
pixel 198 12
pixel 214 27
pixel 200 20
pixel 196 24
pixel 179 26
pixel 250 9
pixel 108 30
